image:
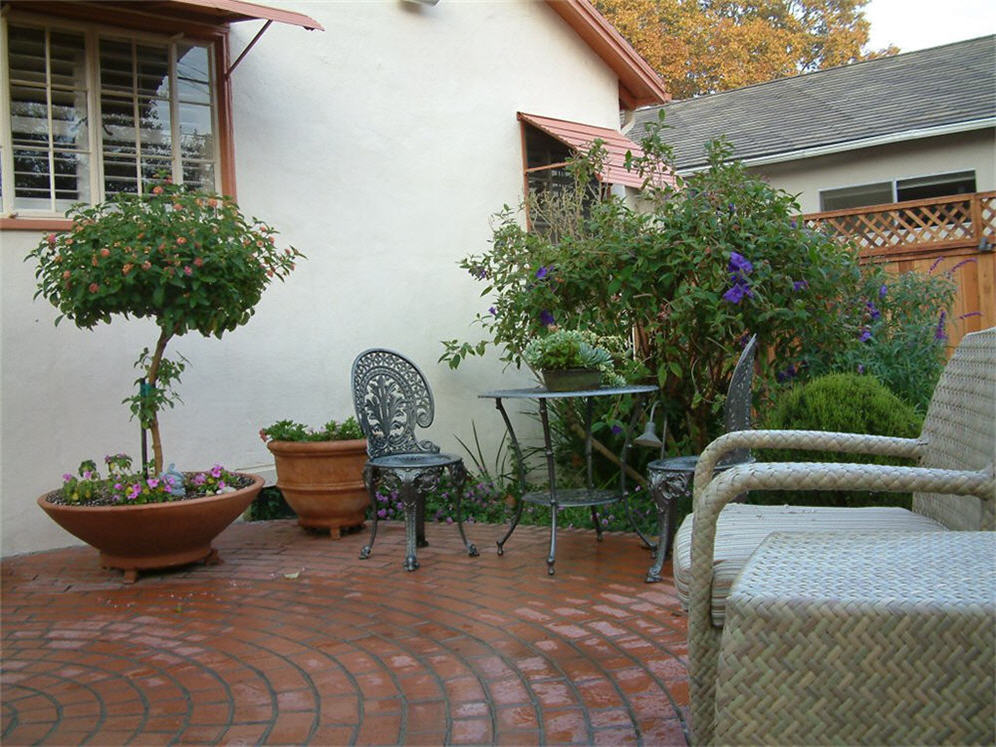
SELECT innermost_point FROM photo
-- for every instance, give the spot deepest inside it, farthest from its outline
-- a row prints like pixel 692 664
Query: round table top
pixel 539 392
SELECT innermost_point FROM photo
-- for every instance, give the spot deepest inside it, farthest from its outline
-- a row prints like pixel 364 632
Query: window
pixel 902 190
pixel 547 175
pixel 92 112
pixel 849 197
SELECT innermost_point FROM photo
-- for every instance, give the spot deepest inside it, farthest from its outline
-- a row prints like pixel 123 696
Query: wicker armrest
pixel 854 443
pixel 717 492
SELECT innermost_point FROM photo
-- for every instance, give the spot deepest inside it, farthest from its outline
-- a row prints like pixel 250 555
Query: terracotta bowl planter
pixel 154 535
pixel 323 482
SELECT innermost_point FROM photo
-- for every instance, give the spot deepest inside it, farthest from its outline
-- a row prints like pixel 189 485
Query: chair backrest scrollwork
pixel 391 397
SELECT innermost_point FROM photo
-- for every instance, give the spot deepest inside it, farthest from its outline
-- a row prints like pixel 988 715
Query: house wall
pixel 961 152
pixel 379 148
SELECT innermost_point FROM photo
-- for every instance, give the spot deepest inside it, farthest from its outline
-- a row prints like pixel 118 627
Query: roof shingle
pixel 941 86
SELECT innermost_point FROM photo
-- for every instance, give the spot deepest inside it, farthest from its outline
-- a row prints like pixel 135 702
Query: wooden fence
pixel 948 234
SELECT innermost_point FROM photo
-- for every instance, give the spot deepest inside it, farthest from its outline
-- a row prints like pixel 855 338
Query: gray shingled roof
pixel 934 87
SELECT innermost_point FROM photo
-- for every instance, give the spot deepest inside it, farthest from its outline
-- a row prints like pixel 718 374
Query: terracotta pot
pixel 154 535
pixel 323 482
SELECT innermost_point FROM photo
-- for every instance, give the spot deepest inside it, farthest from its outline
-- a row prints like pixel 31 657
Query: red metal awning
pixel 231 11
pixel 579 137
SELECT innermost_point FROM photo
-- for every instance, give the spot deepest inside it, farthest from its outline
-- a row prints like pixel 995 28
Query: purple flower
pixel 118 486
pixel 382 513
pixel 542 272
pixel 799 285
pixel 482 274
pixel 67 477
pixel 793 223
pixel 546 318
pixel 221 484
pixel 738 292
pixel 216 471
pixel 136 490
pixel 739 263
pixel 87 474
pixel 865 335
pixel 882 291
pixel 861 368
pixel 939 333
pixel 493 311
pixel 873 312
pixel 200 478
pixel 153 482
pixel 786 375
pixel 617 429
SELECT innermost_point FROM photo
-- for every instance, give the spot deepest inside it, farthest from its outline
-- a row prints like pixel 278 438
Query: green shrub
pixel 845 402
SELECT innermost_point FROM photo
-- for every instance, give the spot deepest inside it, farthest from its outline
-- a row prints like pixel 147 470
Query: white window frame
pixel 92 33
pixel 897 184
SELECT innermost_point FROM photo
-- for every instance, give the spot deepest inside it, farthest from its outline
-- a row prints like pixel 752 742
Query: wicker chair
pixel 953 486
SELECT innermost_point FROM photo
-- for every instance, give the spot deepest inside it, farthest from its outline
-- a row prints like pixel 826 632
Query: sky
pixel 918 24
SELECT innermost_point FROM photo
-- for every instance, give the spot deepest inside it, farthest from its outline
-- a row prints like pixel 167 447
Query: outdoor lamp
pixel 649 436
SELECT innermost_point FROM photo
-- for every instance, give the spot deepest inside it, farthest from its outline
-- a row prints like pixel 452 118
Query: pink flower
pixel 200 478
pixel 157 190
pixel 188 270
pixel 136 490
pixel 216 471
pixel 153 482
pixel 94 287
pixel 67 477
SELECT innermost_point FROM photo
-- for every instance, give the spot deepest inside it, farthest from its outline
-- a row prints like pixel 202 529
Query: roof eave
pixel 639 84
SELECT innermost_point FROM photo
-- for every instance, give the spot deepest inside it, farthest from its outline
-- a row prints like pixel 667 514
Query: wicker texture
pixel 862 638
pixel 965 470
pixel 741 528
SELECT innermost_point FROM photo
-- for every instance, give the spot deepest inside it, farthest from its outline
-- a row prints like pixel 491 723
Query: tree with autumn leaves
pixel 705 46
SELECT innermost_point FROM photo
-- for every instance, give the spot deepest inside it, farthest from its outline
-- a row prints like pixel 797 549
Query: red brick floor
pixel 294 640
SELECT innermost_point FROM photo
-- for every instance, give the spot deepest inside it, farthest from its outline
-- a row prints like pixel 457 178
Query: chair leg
pixel 369 480
pixel 458 475
pixel 666 487
pixel 411 500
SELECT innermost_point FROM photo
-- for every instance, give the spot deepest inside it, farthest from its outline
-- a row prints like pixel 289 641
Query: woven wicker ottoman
pixel 861 638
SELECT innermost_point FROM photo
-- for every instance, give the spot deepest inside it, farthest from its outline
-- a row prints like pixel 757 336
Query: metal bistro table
pixel 554 497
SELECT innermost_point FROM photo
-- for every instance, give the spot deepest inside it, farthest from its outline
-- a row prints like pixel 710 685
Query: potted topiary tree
pixel 320 472
pixel 190 261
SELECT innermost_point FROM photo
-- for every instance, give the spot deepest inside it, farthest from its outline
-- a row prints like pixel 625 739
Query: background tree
pixel 704 46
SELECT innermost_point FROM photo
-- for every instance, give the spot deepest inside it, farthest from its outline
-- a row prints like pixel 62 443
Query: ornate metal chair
pixel 391 396
pixel 671 478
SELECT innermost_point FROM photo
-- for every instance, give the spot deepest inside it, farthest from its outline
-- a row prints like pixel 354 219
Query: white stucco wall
pixel 974 150
pixel 379 148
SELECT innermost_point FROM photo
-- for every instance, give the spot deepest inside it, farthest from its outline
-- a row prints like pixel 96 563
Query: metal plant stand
pixel 553 497
pixel 391 396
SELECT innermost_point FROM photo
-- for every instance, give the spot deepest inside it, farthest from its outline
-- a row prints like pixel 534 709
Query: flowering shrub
pixel 688 276
pixel 288 430
pixel 123 487
pixel 188 260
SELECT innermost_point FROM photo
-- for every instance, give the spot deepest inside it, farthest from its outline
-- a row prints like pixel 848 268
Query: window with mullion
pixel 49 138
pixel 153 104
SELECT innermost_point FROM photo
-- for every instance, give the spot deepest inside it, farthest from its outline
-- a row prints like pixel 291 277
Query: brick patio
pixel 293 640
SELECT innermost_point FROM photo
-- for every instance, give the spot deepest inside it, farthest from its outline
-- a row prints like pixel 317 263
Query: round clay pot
pixel 154 535
pixel 322 481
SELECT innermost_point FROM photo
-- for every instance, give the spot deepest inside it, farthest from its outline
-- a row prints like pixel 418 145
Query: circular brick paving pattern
pixel 294 640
